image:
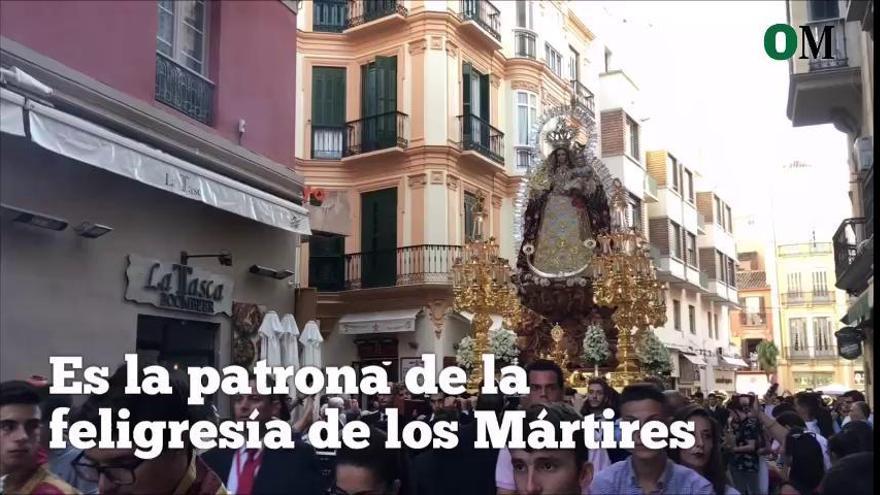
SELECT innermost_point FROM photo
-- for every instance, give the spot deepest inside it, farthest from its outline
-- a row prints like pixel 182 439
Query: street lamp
pixel 481 284
pixel 625 279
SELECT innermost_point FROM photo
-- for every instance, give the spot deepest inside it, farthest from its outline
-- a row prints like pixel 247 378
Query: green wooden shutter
pixel 328 96
pixel 466 73
pixel 379 238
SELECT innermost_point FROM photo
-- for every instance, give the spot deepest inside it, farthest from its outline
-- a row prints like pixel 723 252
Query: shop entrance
pixel 174 343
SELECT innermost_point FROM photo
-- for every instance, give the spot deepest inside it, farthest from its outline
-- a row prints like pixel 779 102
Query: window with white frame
pixel 631 139
pixel 183 33
pixel 553 59
pixel 526 115
pixel 524 14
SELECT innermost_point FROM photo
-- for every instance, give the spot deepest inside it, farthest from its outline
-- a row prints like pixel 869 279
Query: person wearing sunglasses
pixel 118 471
pixel 374 470
pixel 20 470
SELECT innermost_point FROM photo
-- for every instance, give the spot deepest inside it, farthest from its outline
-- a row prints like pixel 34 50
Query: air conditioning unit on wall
pixel 863 148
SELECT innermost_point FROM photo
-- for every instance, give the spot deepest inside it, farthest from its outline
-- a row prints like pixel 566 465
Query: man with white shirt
pixel 546 386
pixel 265 471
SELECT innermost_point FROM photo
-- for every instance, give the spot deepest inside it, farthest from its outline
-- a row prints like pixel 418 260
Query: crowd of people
pixel 788 444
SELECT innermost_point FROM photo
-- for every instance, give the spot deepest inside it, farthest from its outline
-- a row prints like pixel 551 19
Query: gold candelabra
pixel 625 279
pixel 482 285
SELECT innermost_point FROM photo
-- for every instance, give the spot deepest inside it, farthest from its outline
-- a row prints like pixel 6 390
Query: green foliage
pixel 653 355
pixel 596 350
pixel 767 355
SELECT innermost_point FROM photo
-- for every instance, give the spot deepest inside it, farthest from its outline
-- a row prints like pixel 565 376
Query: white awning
pixel 695 359
pixel 735 361
pixel 497 320
pixel 11 113
pixel 88 143
pixel 402 320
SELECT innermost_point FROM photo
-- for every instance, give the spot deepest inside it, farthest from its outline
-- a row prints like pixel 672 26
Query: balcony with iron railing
pixel 837 50
pixel 478 135
pixel 427 264
pixel 758 319
pixel 583 97
pixel 377 132
pixel 809 352
pixel 853 255
pixel 361 12
pixel 483 14
pixel 525 158
pixel 184 90
pixel 817 298
pixel 524 44
pixel 804 249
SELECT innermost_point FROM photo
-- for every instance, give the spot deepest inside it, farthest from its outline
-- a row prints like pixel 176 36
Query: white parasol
pixel 289 342
pixel 311 340
pixel 270 344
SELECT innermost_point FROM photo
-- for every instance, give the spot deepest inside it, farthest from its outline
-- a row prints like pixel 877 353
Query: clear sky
pixel 718 101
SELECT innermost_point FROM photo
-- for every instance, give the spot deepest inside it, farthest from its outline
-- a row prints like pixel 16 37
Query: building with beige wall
pixel 407 112
pixel 840 91
pixel 691 234
pixel 810 307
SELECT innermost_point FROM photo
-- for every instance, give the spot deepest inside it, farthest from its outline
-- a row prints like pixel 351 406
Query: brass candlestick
pixel 482 285
pixel 625 279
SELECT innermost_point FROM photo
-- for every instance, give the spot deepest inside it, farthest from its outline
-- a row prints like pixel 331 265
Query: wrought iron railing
pixel 583 97
pixel 364 11
pixel 478 135
pixel 525 159
pixel 753 319
pixel 524 44
pixel 377 132
pixel 486 15
pixel 809 352
pixel 837 40
pixel 329 16
pixel 327 142
pixel 804 249
pixel 184 90
pixel 411 265
pixel 807 298
pixel 849 235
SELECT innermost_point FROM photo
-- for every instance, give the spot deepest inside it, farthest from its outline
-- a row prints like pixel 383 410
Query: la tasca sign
pixel 177 287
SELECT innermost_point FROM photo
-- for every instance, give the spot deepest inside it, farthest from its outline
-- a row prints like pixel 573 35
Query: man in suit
pixel 266 471
pixel 717 410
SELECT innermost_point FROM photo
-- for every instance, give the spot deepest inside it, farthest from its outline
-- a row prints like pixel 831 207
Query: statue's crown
pixel 562 135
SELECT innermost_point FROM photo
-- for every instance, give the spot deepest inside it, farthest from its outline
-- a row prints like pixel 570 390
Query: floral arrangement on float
pixel 502 343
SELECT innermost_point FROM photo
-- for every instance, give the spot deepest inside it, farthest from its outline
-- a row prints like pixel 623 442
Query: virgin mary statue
pixel 567 207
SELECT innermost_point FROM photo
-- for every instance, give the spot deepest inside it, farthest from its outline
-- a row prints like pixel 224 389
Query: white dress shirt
pixel 239 459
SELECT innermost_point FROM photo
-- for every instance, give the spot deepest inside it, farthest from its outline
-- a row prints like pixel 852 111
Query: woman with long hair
pixel 804 464
pixel 705 455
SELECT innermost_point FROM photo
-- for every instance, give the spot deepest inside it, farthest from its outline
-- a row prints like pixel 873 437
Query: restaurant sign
pixel 177 287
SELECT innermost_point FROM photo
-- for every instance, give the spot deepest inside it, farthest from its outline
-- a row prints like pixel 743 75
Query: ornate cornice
pixel 452 182
pixel 436 42
pixel 437 310
pixel 417 46
pixel 418 180
pixel 525 85
pixel 436 177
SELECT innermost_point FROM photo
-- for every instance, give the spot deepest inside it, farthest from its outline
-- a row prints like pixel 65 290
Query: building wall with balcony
pixel 810 309
pixel 116 44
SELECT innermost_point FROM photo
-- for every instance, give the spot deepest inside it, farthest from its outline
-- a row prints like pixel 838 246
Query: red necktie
pixel 248 472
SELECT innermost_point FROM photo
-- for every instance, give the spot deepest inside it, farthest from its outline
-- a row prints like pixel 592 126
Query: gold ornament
pixel 625 279
pixel 482 285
